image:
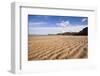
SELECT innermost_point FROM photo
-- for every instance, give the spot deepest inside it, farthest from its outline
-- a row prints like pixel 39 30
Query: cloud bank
pixel 54 30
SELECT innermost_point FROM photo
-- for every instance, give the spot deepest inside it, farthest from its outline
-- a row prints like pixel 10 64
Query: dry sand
pixel 57 47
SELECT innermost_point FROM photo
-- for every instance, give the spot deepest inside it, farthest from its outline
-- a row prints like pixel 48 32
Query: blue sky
pixel 43 24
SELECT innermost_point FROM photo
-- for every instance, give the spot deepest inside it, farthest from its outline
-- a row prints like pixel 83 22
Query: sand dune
pixel 57 47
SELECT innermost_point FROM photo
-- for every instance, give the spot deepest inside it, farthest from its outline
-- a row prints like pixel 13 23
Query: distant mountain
pixel 84 31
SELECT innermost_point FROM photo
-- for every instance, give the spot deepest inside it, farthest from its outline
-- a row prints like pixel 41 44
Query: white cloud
pixel 84 19
pixel 44 30
pixel 63 24
pixel 35 24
